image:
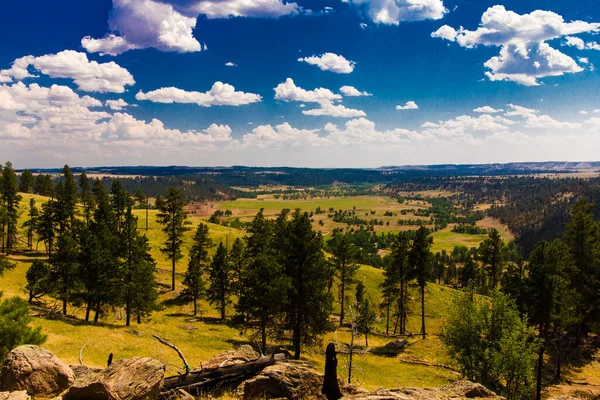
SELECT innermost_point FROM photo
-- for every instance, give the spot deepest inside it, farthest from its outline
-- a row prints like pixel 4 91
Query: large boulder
pixel 284 380
pixel 21 395
pixel 36 371
pixel 135 378
pixel 242 354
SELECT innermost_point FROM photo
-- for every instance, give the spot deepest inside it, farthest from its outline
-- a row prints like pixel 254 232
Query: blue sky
pixel 127 82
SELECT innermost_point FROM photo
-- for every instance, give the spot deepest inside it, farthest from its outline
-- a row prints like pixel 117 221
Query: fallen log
pixel 205 380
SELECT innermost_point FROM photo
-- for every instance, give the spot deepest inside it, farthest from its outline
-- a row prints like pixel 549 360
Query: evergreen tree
pixel 194 277
pixel 491 251
pixel 9 202
pixel 119 199
pixel 39 280
pixel 173 217
pixel 220 273
pixel 14 326
pixel 26 181
pixel 238 258
pixel 420 261
pixel 582 236
pixel 43 185
pixel 549 298
pixel 31 223
pixel 308 302
pixel 366 319
pixel 85 193
pixel 263 279
pixel 468 274
pixel 66 198
pixel 139 293
pixel 65 265
pixel 46 225
pixel 344 260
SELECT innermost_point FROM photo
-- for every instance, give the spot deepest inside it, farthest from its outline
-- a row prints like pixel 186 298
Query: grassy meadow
pixel 205 336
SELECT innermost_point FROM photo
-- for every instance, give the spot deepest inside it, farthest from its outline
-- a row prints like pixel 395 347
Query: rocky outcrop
pixel 21 395
pixel 285 380
pixel 36 371
pixel 242 354
pixel 457 390
pixel 128 379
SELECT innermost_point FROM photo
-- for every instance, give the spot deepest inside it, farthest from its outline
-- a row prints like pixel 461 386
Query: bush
pixel 492 344
pixel 14 326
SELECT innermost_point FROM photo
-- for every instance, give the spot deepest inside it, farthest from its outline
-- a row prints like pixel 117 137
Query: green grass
pixel 447 240
pixel 206 337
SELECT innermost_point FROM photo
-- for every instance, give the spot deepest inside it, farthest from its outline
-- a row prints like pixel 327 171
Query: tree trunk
pixel 195 306
pixel 139 317
pixel 423 312
pixel 387 319
pixel 173 272
pixel 350 356
pixel 128 314
pixel 297 340
pixel 540 366
pixel 343 293
pixel 366 340
pixel 88 309
pixel 263 334
pixel 559 356
pixel 64 301
pixel 97 313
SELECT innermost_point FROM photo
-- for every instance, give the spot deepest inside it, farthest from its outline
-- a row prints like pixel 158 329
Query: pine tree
pixel 220 273
pixel 65 265
pixel 85 194
pixel 173 217
pixel 582 236
pixel 31 223
pixel 344 260
pixel 399 274
pixel 308 302
pixel 138 286
pixel 420 261
pixel 14 326
pixel 491 251
pixel 238 259
pixel 66 198
pixel 26 181
pixel 39 280
pixel 9 202
pixel 46 225
pixel 119 200
pixel 194 277
pixel 549 298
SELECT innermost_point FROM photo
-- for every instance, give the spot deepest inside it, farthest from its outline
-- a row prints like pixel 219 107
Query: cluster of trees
pixel 96 257
pixel 278 272
pixel 555 293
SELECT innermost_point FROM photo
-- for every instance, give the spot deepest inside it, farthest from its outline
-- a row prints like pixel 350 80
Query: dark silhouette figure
pixel 331 387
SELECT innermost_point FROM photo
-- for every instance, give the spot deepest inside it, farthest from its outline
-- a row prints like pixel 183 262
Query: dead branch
pixel 166 343
pixel 81 353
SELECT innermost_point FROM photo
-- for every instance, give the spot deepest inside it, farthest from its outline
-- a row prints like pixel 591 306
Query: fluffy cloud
pixel 243 8
pixel 330 62
pixel 116 105
pixel 283 135
pixel 221 94
pixel 396 11
pixel 525 56
pixel 335 111
pixel 580 44
pixel 351 91
pixel 487 110
pixel 89 76
pixel 410 105
pixel 230 64
pixel 288 91
pixel 160 24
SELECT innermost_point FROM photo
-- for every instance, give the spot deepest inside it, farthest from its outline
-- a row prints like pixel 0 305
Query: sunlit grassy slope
pixel 199 339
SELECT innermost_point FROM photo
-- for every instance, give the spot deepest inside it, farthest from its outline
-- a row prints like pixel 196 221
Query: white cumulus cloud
pixel 89 76
pixel 221 94
pixel 525 56
pixel 330 62
pixel 410 105
pixel 351 91
pixel 395 11
pixel 487 110
pixel 332 110
pixel 288 91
